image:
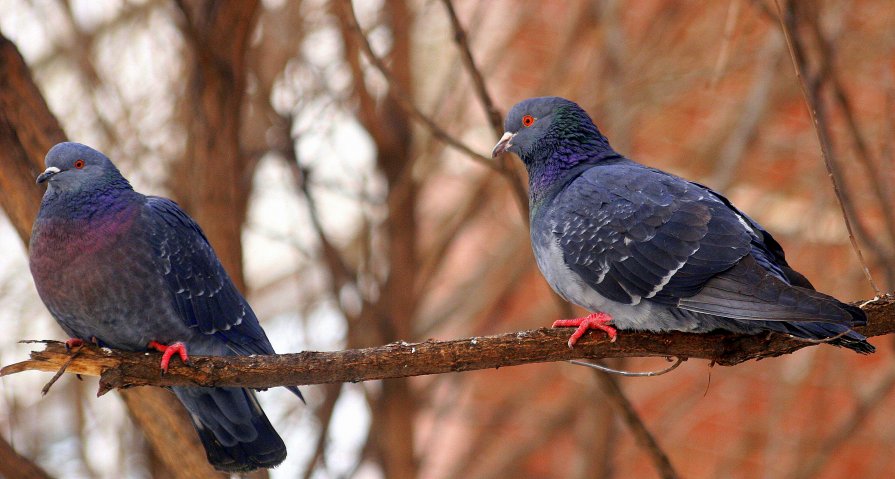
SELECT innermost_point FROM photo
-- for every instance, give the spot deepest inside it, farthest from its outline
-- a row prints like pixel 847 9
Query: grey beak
pixel 47 174
pixel 503 144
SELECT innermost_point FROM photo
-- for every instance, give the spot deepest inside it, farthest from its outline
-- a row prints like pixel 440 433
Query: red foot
pixel 591 321
pixel 71 343
pixel 169 351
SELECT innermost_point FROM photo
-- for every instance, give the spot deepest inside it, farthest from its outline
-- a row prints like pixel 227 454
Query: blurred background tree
pixel 350 220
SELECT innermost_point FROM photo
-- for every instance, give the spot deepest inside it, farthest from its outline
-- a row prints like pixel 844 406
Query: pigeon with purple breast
pixel 646 250
pixel 135 272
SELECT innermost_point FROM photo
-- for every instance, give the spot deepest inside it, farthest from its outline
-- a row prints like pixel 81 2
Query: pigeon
pixel 134 272
pixel 643 249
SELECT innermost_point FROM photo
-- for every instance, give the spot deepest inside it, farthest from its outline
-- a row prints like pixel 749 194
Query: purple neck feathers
pixel 554 166
pixel 88 204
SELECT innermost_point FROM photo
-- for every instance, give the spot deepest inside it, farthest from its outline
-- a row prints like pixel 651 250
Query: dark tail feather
pixel 236 433
pixel 748 293
pixel 294 390
pixel 852 340
pixel 858 316
pixel 820 331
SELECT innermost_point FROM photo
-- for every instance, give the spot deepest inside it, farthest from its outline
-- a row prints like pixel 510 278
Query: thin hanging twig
pixel 60 372
pixel 629 374
pixel 824 143
pixel 495 119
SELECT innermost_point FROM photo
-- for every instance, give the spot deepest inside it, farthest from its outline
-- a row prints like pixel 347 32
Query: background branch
pixel 642 435
pixel 812 101
pixel 13 464
pixel 400 96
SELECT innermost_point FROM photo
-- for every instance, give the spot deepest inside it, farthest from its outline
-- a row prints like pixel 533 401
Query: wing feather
pixel 632 232
pixel 202 291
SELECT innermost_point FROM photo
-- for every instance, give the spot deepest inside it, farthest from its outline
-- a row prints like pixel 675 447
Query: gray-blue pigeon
pixel 647 250
pixel 132 272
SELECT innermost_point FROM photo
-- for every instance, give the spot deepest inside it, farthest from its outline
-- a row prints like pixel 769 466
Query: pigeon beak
pixel 47 174
pixel 503 144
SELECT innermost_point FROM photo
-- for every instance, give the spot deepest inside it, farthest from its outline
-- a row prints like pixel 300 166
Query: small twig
pixel 629 374
pixel 824 143
pixel 494 116
pixel 403 101
pixel 864 153
pixel 824 340
pixel 61 371
pixel 642 435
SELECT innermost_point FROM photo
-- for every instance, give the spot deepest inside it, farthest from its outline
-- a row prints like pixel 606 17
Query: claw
pixel 168 352
pixel 71 343
pixel 592 321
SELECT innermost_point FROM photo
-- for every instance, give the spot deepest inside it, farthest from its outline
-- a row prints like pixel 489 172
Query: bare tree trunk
pixel 397 404
pixel 27 131
pixel 389 127
pixel 215 179
pixel 168 429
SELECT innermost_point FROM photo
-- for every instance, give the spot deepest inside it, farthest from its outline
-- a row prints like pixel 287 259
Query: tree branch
pixel 405 102
pixel 818 118
pixel 641 434
pixel 495 119
pixel 13 464
pixel 118 369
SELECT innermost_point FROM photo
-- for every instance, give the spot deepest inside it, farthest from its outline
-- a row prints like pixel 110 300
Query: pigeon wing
pixel 203 293
pixel 632 233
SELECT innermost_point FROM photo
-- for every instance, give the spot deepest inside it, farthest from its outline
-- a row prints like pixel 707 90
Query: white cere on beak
pixel 503 144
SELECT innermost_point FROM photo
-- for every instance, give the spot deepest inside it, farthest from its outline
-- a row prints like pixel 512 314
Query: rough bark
pixel 160 415
pixel 398 360
pixel 13 464
pixel 27 131
pixel 214 179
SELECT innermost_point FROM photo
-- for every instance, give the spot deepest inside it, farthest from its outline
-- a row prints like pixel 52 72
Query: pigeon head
pixel 537 127
pixel 552 136
pixel 73 167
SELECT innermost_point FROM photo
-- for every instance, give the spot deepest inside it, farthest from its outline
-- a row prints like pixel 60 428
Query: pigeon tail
pixel 236 433
pixel 847 337
pixel 835 334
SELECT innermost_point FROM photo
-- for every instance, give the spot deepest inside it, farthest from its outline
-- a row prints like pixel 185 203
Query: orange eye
pixel 79 164
pixel 528 120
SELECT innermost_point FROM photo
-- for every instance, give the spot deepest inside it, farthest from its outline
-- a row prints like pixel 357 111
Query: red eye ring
pixel 528 120
pixel 79 164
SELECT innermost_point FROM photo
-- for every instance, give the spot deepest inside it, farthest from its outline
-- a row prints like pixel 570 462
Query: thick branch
pixel 27 131
pixel 13 464
pixel 125 369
